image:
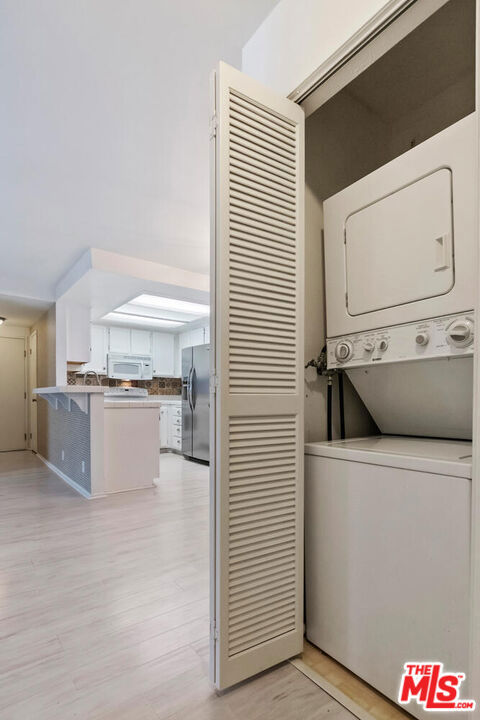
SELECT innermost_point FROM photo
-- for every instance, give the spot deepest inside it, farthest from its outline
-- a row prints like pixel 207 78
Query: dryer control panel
pixel 450 335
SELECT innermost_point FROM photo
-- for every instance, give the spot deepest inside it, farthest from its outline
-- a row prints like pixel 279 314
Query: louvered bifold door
pixel 257 323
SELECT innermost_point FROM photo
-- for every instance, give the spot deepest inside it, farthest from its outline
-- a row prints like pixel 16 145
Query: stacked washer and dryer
pixel 388 517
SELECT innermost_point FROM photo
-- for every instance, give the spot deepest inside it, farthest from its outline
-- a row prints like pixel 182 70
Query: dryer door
pixel 399 249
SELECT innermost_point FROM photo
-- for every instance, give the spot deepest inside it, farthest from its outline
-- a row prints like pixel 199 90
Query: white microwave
pixel 129 367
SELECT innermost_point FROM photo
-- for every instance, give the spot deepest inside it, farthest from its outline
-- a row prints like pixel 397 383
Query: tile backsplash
pixel 157 386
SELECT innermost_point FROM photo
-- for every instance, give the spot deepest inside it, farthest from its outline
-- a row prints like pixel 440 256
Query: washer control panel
pixel 450 335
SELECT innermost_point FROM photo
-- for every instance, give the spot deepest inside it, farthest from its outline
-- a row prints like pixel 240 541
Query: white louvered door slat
pixel 257 335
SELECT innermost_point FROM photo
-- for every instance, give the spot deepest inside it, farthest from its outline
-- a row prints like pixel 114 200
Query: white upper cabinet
pixel 144 342
pixel 141 342
pixel 119 340
pixel 77 318
pixel 299 36
pixel 98 349
pixel 163 354
pixel 197 336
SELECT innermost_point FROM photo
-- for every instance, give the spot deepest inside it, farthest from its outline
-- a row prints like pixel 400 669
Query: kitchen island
pixel 100 445
pixel 75 444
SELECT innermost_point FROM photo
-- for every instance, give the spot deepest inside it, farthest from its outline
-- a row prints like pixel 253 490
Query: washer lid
pixel 442 457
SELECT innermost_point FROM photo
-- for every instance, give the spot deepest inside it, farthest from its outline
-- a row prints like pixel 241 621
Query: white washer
pixel 387 552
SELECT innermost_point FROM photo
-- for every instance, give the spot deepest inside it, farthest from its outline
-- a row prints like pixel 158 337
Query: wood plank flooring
pixel 373 703
pixel 104 606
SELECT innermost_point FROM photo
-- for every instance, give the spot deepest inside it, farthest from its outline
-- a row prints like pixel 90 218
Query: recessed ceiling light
pixel 2 320
pixel 130 309
pixel 171 304
pixel 142 320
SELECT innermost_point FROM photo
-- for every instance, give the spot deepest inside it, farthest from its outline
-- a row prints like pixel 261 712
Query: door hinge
pixel 24 396
pixel 213 126
pixel 213 383
pixel 25 436
pixel 24 353
pixel 213 629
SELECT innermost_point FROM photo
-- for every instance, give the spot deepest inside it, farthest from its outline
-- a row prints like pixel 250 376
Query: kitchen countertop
pixel 138 403
pixel 148 401
pixel 166 399
pixel 61 389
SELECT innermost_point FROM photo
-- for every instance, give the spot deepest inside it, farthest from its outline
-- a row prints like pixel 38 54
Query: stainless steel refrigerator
pixel 196 402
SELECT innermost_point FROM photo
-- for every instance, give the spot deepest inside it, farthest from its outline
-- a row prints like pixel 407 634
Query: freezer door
pixel 201 401
pixel 187 371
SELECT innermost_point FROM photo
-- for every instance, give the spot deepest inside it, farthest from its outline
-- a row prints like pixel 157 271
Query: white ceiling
pixel 104 130
pixel 21 312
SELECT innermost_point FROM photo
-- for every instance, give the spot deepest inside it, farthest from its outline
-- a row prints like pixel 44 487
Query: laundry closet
pixel 386 172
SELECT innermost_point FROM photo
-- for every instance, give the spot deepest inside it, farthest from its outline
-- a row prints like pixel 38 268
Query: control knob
pixel 422 338
pixel 343 350
pixel 383 344
pixel 368 347
pixel 460 333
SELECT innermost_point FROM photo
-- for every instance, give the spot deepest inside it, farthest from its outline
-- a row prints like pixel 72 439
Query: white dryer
pixel 387 540
pixel 399 243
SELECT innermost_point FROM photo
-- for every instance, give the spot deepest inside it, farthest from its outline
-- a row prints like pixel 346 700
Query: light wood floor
pixel 369 700
pixel 104 606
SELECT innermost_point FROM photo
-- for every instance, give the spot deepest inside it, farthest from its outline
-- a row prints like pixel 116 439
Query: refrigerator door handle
pixel 189 388
pixel 193 391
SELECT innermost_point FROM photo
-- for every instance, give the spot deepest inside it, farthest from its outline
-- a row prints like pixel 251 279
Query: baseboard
pixel 81 491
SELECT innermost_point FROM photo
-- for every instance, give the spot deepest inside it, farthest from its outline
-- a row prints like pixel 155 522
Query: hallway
pixel 104 606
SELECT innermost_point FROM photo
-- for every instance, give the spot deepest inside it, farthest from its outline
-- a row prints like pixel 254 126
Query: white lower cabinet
pixel 163 426
pixel 171 427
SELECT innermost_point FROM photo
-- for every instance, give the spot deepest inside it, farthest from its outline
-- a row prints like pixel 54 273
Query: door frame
pixel 20 333
pixel 32 442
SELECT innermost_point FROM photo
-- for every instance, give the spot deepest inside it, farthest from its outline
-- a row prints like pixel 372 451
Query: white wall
pixel 299 35
pixel 343 142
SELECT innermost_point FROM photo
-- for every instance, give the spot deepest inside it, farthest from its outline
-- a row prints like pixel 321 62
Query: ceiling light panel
pixel 163 303
pixel 132 309
pixel 141 320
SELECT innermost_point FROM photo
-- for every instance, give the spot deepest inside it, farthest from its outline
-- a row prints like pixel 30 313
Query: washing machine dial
pixel 460 333
pixel 383 344
pixel 368 347
pixel 343 350
pixel 422 338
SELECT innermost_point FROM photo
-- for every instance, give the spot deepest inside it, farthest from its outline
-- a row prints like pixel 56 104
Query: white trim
pixel 332 690
pixel 363 36
pixel 69 481
pixel 29 390
pixel 368 53
pixel 474 669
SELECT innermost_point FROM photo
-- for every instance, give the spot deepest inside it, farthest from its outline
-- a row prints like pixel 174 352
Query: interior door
pixel 32 382
pixel 257 378
pixel 12 394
